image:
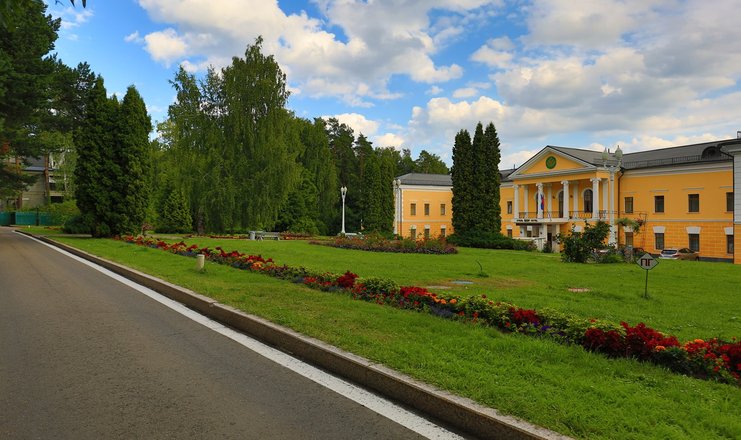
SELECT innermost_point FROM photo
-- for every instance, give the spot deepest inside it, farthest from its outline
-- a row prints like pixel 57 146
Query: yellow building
pixel 679 197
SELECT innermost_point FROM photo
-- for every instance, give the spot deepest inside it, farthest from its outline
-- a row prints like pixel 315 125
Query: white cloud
pixel 496 53
pixel 466 92
pixel 434 90
pixel 359 123
pixel 380 40
pixel 72 18
pixel 389 140
pixel 133 38
pixel 165 46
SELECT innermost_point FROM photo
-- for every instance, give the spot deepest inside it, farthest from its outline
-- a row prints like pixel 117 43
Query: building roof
pixel 684 154
pixel 426 179
pixel 438 179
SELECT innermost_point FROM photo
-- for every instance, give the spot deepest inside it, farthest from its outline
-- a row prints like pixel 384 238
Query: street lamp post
pixel 343 191
pixel 612 168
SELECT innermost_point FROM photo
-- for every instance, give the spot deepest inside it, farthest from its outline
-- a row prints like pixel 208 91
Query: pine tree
pixel 341 139
pixel 371 207
pixel 132 159
pixel 477 202
pixel 491 182
pixel 175 214
pixel 26 74
pixel 317 159
pixel 388 159
pixel 462 177
pixel 430 164
pixel 96 172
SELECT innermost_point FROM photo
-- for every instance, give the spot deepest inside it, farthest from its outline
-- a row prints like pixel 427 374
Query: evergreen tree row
pixel 112 143
pixel 476 181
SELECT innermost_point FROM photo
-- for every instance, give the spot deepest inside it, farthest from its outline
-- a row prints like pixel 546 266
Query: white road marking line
pixel 365 398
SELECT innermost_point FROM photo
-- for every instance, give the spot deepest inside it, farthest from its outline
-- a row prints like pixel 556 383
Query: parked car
pixel 680 254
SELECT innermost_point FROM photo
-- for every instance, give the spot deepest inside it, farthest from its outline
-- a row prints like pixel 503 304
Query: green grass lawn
pixel 559 387
pixel 686 298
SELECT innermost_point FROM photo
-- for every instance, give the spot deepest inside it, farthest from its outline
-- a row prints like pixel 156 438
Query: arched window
pixel 560 204
pixel 588 200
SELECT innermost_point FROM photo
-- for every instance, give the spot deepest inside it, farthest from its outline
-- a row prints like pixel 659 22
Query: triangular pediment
pixel 550 160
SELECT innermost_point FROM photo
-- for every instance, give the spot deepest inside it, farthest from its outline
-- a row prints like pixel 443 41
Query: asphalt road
pixel 83 356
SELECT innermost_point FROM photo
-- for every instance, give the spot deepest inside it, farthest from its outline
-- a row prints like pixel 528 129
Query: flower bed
pixel 714 359
pixel 379 244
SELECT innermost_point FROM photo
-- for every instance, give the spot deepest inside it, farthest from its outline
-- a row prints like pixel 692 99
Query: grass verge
pixel 563 388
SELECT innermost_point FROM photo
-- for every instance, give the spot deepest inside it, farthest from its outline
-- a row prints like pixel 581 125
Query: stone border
pixel 461 413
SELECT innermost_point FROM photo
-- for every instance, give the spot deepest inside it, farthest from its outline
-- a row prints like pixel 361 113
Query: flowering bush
pixel 377 243
pixel 712 359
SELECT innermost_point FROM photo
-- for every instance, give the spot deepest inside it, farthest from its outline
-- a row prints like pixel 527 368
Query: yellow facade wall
pixel 675 184
pixel 562 163
pixel 710 185
pixel 434 221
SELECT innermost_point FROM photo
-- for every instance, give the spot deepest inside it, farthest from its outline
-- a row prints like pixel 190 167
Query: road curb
pixel 461 413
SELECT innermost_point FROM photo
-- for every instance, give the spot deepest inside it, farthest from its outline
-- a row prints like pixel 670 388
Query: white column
pixel 605 196
pixel 526 199
pixel 516 207
pixel 611 214
pixel 566 197
pixel 538 200
pixel 549 197
pixel 595 197
pixel 576 199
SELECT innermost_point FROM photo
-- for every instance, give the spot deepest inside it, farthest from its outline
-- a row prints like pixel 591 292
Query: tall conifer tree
pixel 478 176
pixel 132 159
pixel 462 178
pixel 491 183
pixel 96 171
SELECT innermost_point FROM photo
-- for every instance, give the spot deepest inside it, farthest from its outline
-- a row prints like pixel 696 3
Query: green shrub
pixel 380 286
pixel 579 247
pixel 175 216
pixel 77 225
pixel 490 240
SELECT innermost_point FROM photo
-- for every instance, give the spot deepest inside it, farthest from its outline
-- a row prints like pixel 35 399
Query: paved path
pixel 83 356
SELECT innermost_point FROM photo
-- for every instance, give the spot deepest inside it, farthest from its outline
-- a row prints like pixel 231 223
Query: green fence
pixel 25 219
pixel 30 218
pixel 6 218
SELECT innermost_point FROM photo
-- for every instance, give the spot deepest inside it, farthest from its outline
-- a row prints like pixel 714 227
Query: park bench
pixel 261 235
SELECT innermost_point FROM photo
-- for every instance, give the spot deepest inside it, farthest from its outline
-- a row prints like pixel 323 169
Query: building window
pixel 427 209
pixel 588 201
pixel 629 239
pixel 442 209
pixel 629 205
pixel 442 231
pixel 413 209
pixel 509 233
pixel 658 203
pixel 729 244
pixel 427 232
pixel 659 240
pixel 693 202
pixel 413 232
pixel 729 202
pixel 509 207
pixel 560 204
pixel 694 242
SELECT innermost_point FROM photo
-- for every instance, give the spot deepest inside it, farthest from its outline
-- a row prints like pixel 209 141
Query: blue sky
pixel 643 74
